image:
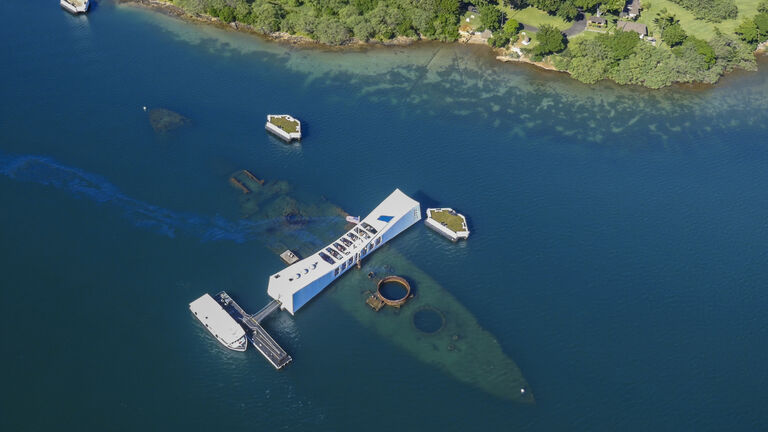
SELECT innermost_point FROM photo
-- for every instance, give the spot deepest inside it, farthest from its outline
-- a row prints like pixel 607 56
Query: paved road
pixel 578 26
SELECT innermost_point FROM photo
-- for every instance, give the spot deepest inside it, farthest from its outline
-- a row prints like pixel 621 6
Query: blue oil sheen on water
pixel 618 247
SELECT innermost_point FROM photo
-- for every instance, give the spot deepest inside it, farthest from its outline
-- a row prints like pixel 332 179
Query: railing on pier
pixel 258 336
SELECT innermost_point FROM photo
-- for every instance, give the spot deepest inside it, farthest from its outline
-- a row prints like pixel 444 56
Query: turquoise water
pixel 617 249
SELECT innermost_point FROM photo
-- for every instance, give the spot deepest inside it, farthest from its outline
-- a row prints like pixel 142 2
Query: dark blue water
pixel 618 247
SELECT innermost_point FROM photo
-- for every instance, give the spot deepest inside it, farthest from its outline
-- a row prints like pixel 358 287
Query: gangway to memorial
pixel 258 336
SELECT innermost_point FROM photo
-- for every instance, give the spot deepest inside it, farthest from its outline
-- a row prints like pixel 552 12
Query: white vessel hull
pixel 219 323
pixel 75 8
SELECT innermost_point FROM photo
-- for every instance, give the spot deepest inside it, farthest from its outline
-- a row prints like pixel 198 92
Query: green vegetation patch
pixel 693 26
pixel 452 221
pixel 535 17
pixel 711 10
pixel 289 126
pixel 336 22
pixel 470 21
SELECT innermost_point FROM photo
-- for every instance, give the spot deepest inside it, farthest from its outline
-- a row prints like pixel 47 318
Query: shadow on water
pixel 425 200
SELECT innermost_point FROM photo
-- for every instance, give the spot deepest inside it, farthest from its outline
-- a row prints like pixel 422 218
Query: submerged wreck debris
pixel 253 177
pixel 238 184
pixel 165 120
pixel 292 215
pixel 237 180
pixel 434 327
pixel 375 302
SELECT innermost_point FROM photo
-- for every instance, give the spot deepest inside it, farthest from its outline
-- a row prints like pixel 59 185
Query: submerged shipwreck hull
pixel 433 325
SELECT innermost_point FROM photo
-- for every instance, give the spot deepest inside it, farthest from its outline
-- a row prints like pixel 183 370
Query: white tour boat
pixel 75 6
pixel 219 323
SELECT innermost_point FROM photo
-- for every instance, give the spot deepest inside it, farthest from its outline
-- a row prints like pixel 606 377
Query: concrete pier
pixel 258 336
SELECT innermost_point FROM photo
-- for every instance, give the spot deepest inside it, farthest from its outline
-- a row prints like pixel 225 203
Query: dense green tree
pixel 361 28
pixel 761 21
pixel 615 6
pixel 619 45
pixel 731 53
pixel 242 11
pixel 490 17
pixel 499 40
pixel 664 19
pixel 754 30
pixel 446 23
pixel 710 10
pixel 550 39
pixel 762 7
pixel 567 11
pixel 511 28
pixel 266 17
pixel 747 31
pixel 587 60
pixel 331 31
pixel 546 5
pixel 673 35
pixel 227 14
pixel 586 4
pixel 702 48
pixel 365 5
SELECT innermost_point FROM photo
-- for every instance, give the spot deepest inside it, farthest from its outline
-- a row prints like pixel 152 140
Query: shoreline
pixel 499 54
pixel 172 10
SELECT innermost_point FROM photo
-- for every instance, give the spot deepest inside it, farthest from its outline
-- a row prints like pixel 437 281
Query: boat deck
pixel 258 336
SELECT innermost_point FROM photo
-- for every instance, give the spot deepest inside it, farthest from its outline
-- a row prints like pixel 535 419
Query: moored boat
pixel 75 6
pixel 219 323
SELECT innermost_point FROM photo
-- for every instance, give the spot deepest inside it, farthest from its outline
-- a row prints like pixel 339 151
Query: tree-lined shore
pixel 653 43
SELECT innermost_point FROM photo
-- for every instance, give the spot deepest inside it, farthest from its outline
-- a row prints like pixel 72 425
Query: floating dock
pixel 284 126
pixel 448 223
pixel 255 333
pixel 289 257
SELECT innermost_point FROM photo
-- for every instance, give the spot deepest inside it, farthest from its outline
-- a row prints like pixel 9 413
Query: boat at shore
pixel 433 326
pixel 219 323
pixel 75 6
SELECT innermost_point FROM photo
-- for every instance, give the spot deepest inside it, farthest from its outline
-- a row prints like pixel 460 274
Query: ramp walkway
pixel 258 336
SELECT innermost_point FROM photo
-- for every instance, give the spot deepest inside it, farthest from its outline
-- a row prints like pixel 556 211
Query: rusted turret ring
pixel 394 302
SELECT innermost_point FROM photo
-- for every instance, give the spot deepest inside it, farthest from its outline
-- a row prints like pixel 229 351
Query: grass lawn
pixel 454 223
pixel 534 17
pixel 285 124
pixel 587 35
pixel 468 23
pixel 699 28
